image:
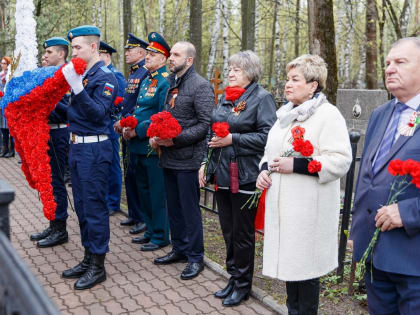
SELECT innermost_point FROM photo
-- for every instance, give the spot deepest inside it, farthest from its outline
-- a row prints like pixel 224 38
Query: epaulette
pixel 145 68
pixel 165 74
pixel 154 74
pixel 105 69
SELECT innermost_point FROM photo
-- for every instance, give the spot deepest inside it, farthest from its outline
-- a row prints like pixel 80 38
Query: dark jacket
pixel 193 106
pixel 249 131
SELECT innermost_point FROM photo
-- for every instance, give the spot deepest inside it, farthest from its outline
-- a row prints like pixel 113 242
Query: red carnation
pixel 298 132
pixel 308 148
pixel 408 166
pixel 221 129
pixel 314 166
pixel 298 144
pixel 79 65
pixel 164 126
pixel 395 167
pixel 130 122
pixel 118 100
pixel 1 94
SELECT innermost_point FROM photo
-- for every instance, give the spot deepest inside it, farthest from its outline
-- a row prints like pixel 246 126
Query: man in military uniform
pixel 135 52
pixel 113 197
pixel 150 183
pixel 90 155
pixel 56 51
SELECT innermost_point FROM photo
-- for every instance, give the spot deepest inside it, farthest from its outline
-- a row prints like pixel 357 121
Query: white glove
pixel 72 78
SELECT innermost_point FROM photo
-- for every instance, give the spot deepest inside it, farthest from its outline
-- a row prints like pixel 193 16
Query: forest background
pixel 352 36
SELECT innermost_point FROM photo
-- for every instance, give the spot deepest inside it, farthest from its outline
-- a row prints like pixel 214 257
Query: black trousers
pixel 302 297
pixel 239 234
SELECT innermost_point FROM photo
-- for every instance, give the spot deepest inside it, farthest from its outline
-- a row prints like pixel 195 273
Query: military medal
pixel 85 82
pixel 152 88
pixel 408 130
pixel 239 108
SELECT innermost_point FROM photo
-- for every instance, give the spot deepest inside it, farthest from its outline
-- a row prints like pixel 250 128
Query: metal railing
pixel 20 292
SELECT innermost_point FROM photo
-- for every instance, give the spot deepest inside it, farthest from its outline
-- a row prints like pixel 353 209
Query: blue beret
pixel 105 48
pixel 55 41
pixel 158 44
pixel 84 30
pixel 133 41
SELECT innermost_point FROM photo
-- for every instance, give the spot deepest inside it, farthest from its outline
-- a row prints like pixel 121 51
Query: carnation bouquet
pixel 163 126
pixel 300 146
pixel 402 170
pixel 128 122
pixel 221 130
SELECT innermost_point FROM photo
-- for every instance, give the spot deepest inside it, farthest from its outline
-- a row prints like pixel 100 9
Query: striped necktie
pixel 389 136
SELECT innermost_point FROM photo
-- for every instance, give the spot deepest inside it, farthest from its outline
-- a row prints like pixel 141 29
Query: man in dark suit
pixel 393 287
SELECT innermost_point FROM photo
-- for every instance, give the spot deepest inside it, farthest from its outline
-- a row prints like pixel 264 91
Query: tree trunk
pixel 405 18
pixel 196 30
pixel 3 18
pixel 162 16
pixel 99 14
pixel 277 66
pixel 127 25
pixel 273 38
pixel 297 26
pixel 93 11
pixel 225 35
pixel 322 40
pixel 122 38
pixel 381 40
pixel 371 49
pixel 248 24
pixel 362 53
pixel 214 37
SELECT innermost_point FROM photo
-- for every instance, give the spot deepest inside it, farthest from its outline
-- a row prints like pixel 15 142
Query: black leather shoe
pixel 140 240
pixel 94 275
pixel 9 154
pixel 171 258
pixel 150 247
pixel 221 294
pixel 138 228
pixel 127 222
pixel 4 152
pixel 80 269
pixel 41 235
pixel 58 235
pixel 236 297
pixel 192 270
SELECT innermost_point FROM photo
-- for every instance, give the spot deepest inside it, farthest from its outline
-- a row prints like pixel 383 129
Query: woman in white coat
pixel 302 208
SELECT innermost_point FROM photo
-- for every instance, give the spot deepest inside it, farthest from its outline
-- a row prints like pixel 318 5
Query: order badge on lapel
pixel 408 130
pixel 239 108
pixel 85 82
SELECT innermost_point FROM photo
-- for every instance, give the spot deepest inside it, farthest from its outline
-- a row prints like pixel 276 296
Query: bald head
pixel 182 57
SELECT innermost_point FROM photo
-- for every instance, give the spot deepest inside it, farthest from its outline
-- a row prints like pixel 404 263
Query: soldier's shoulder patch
pixel 108 89
pixel 165 74
pixel 105 69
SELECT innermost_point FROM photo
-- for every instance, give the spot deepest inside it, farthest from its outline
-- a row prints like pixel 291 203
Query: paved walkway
pixel 134 284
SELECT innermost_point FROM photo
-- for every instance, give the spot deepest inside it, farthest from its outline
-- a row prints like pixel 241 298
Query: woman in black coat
pixel 250 112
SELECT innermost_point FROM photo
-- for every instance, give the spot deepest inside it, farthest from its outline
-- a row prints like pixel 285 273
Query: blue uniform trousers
pixel 183 198
pixel 392 293
pixel 89 166
pixel 131 190
pixel 151 192
pixel 58 150
pixel 113 197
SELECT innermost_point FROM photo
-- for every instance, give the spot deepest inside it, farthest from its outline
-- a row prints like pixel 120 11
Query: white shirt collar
pixel 413 102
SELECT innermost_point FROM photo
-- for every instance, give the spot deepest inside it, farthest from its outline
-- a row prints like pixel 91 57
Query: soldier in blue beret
pixel 90 156
pixel 150 183
pixel 113 197
pixel 56 51
pixel 135 52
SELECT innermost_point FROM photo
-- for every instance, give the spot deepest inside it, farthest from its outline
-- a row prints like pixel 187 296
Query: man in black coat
pixel 190 100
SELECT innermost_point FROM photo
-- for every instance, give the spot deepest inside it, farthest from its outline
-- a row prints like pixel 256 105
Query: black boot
pixel 4 151
pixel 11 152
pixel 94 275
pixel 221 294
pixel 78 270
pixel 58 235
pixel 41 235
pixel 236 297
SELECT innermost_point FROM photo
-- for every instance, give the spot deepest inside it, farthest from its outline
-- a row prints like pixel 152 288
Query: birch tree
pixel 225 35
pixel 162 16
pixel 214 37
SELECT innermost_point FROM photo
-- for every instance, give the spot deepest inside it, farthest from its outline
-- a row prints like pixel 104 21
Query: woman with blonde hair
pixel 303 204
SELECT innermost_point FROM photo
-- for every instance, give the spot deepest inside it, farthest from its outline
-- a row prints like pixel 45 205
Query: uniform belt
pixel 57 126
pixel 87 139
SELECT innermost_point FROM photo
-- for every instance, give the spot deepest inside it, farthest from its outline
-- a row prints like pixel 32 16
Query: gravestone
pixel 356 107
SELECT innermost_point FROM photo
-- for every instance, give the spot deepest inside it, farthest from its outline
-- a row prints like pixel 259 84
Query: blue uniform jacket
pixel 151 100
pixel 121 88
pixel 137 74
pixel 89 111
pixel 59 114
pixel 397 250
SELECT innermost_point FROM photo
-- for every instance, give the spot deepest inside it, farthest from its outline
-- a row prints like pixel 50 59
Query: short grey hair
pixel 414 40
pixel 313 68
pixel 249 63
pixel 189 48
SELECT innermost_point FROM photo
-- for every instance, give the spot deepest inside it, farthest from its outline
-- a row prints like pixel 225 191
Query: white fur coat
pixel 302 212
